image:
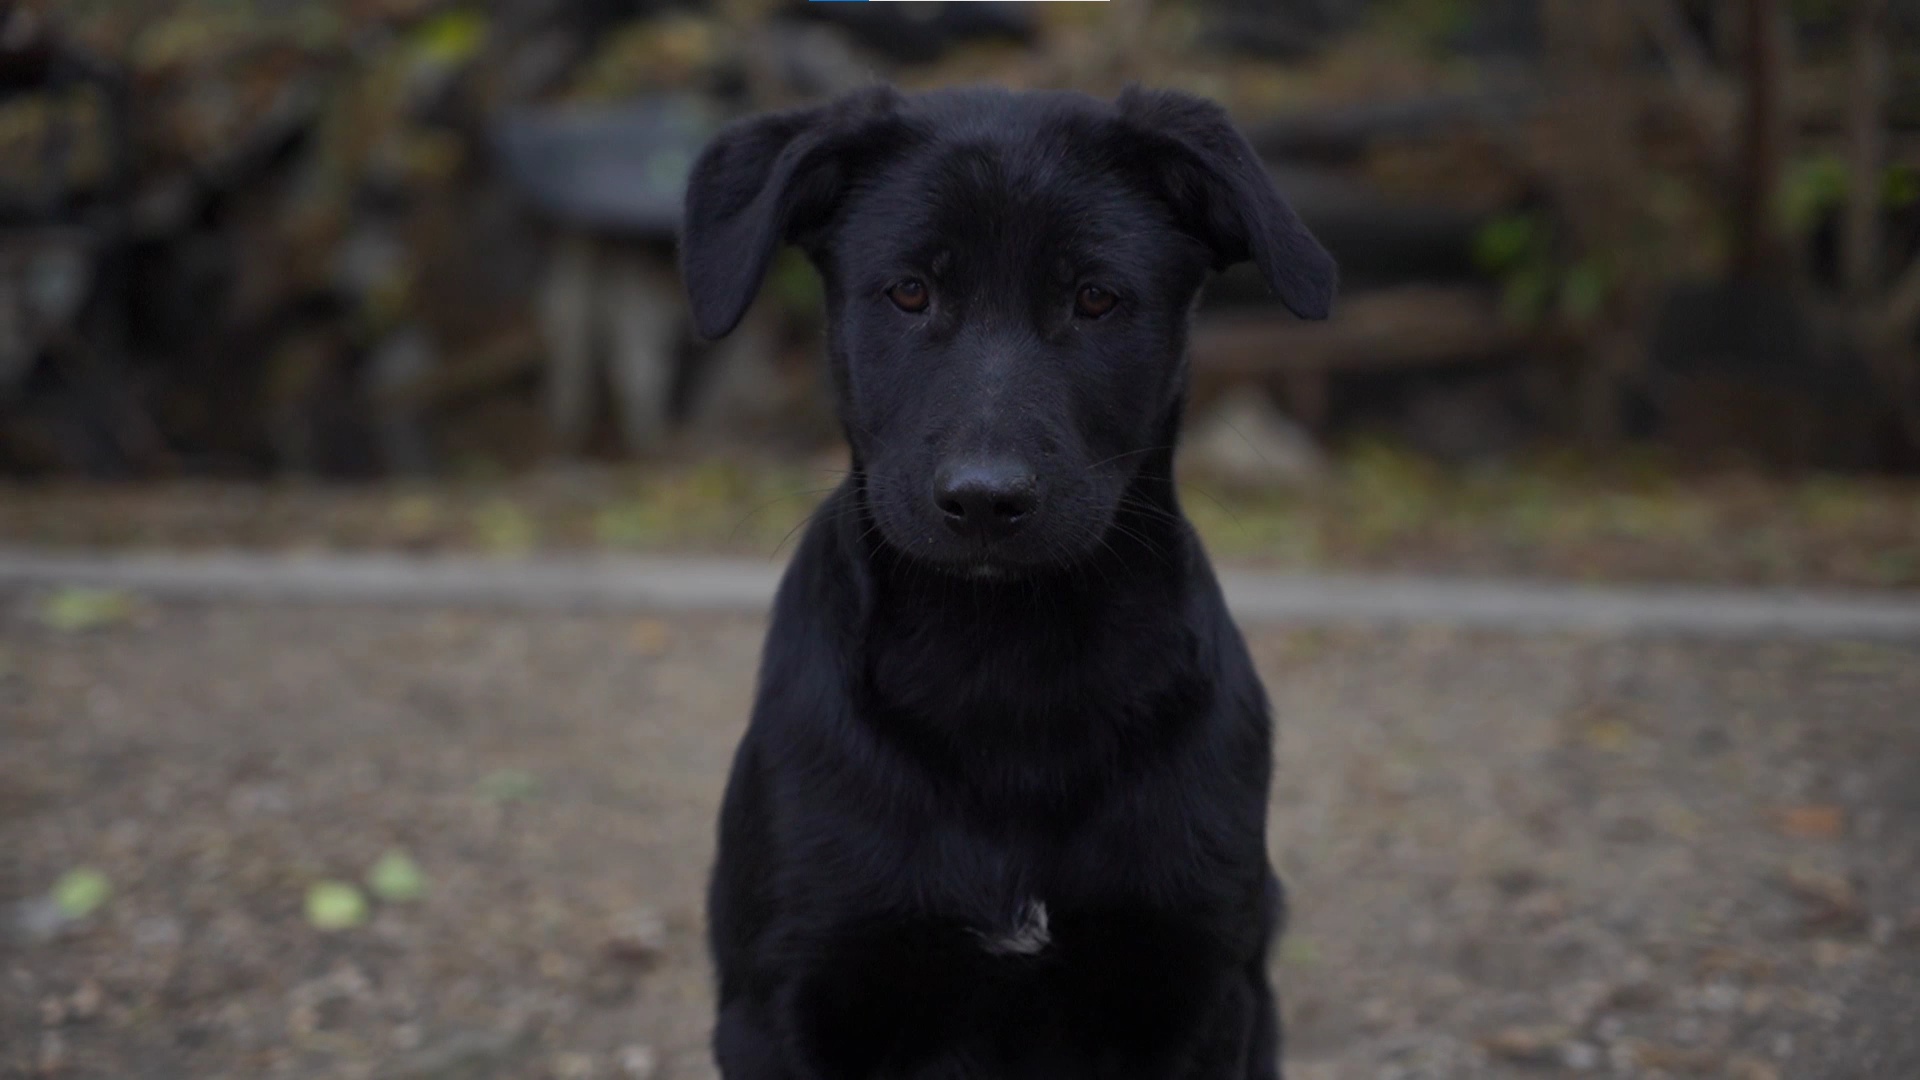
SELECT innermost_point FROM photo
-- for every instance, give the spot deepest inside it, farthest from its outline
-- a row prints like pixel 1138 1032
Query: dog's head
pixel 1008 280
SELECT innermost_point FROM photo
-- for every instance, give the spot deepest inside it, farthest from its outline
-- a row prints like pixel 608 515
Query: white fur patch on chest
pixel 1028 935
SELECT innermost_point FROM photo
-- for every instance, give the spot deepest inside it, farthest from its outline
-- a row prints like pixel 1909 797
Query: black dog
pixel 1001 810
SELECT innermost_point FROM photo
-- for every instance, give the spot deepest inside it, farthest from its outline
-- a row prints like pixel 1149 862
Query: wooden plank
pixel 1386 329
pixel 473 374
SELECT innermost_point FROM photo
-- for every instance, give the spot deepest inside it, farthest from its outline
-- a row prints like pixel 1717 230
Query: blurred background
pixel 1619 276
pixel 1632 297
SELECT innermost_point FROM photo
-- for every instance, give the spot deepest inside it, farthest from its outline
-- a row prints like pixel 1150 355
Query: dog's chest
pixel 1016 904
pixel 1028 933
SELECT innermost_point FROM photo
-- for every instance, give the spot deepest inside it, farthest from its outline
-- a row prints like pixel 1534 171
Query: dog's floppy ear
pixel 1217 185
pixel 758 185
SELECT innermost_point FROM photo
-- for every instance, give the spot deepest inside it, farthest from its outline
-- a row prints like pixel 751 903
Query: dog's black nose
pixel 986 499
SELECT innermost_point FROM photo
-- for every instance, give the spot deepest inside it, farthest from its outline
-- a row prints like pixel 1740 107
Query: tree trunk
pixel 1596 180
pixel 1866 150
pixel 1765 42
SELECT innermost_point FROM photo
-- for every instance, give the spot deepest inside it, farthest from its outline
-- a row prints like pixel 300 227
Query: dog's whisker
pixel 1146 544
pixel 733 534
pixel 1140 505
pixel 1125 454
pixel 1223 507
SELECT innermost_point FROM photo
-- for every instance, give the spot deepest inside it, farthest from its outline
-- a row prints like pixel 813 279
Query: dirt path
pixel 1510 855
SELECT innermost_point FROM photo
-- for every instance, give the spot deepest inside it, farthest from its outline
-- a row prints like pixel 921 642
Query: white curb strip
pixel 747 585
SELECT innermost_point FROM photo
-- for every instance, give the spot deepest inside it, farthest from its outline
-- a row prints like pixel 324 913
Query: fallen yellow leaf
pixel 1611 736
pixel 1812 821
pixel 650 637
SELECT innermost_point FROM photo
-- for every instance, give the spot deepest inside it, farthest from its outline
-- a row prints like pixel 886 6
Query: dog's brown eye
pixel 1093 301
pixel 910 296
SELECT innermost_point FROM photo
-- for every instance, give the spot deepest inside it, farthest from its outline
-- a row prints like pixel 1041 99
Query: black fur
pixel 966 744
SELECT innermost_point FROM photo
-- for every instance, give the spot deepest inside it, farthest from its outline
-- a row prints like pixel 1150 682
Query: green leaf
pixel 795 284
pixel 1506 242
pixel 1900 187
pixel 1815 187
pixel 631 524
pixel 78 609
pixel 1427 25
pixel 1811 189
pixel 79 893
pixel 451 38
pixel 1584 292
pixel 335 905
pixel 396 878
pixel 504 529
pixel 1525 298
pixel 1296 951
pixel 414 514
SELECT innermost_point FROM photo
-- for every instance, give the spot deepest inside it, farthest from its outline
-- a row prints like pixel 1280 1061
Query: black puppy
pixel 1001 810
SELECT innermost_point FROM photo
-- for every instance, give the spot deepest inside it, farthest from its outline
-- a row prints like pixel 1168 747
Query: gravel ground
pixel 1510 855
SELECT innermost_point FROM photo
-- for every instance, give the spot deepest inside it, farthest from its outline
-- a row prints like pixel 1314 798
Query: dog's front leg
pixel 1244 1029
pixel 747 1044
pixel 791 1040
pixel 1234 1039
pixel 1264 1040
pixel 829 1028
pixel 800 1035
pixel 1263 1049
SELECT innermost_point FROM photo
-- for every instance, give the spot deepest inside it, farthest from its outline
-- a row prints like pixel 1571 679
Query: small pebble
pixel 158 932
pixel 1751 1068
pixel 1580 1056
pixel 52 1059
pixel 458 1057
pixel 37 920
pixel 638 1062
pixel 1720 997
pixel 84 1004
pixel 639 937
